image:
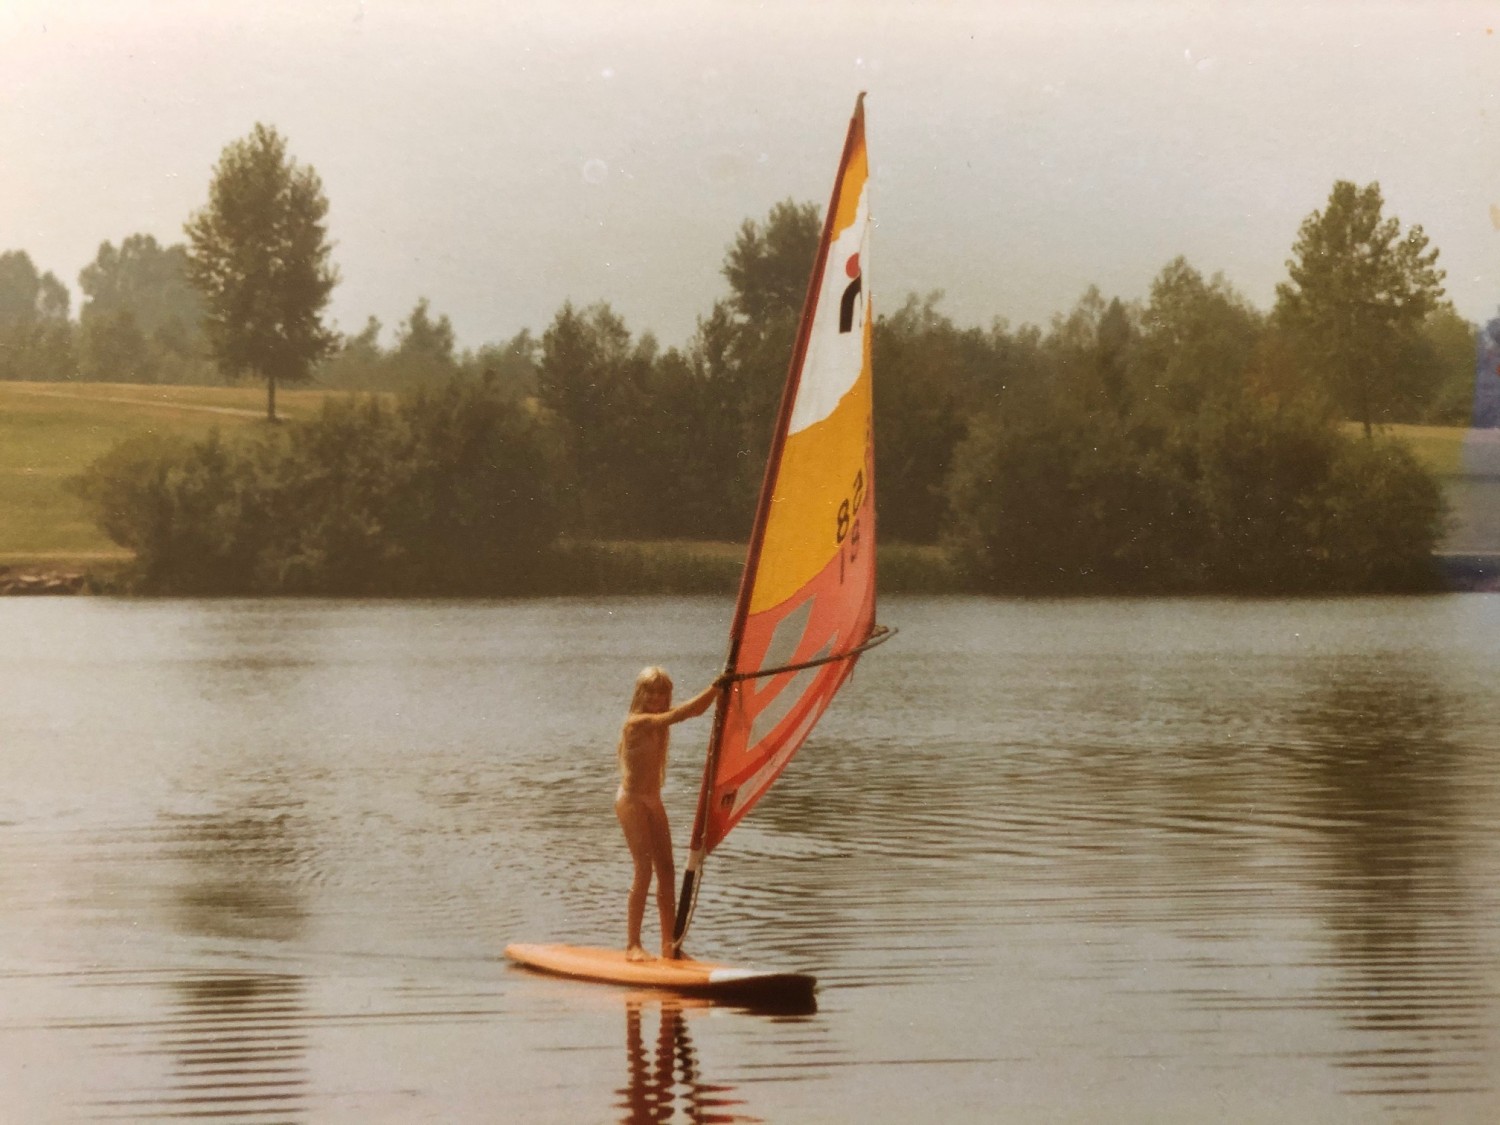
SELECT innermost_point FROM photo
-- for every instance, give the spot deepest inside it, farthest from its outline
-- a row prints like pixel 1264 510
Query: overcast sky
pixel 501 157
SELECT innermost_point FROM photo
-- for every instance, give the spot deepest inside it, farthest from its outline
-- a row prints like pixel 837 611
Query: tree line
pixel 1185 442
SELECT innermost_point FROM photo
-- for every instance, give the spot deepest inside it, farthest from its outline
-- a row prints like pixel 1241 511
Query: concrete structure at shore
pixel 1470 554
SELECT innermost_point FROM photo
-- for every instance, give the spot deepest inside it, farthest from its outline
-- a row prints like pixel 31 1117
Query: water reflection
pixel 665 1084
pixel 243 875
pixel 235 1049
pixel 1396 901
pixel 234 1043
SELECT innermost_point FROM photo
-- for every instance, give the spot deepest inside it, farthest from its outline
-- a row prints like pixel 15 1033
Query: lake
pixel 1090 860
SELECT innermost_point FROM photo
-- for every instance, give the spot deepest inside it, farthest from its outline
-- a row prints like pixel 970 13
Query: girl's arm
pixel 689 710
pixel 695 706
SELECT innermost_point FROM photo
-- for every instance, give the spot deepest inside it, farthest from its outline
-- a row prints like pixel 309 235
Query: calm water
pixel 1069 861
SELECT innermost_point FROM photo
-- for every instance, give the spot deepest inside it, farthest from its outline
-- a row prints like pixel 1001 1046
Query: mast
pixel 697 852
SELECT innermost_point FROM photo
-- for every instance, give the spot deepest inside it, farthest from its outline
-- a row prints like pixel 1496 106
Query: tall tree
pixel 745 344
pixel 35 334
pixel 141 315
pixel 512 363
pixel 768 265
pixel 596 381
pixel 25 294
pixel 358 361
pixel 260 259
pixel 1198 338
pixel 1446 378
pixel 148 280
pixel 113 349
pixel 1089 348
pixel 1356 300
pixel 424 353
pixel 929 372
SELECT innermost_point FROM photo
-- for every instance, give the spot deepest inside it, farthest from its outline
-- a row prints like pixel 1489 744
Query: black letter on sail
pixel 851 294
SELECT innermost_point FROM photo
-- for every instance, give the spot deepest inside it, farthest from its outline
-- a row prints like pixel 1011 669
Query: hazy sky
pixel 499 158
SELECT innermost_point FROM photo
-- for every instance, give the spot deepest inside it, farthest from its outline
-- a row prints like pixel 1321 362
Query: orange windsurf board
pixel 683 975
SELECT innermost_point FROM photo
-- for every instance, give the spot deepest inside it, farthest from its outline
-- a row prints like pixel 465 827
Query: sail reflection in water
pixel 235 1049
pixel 1411 950
pixel 664 1083
pixel 234 1043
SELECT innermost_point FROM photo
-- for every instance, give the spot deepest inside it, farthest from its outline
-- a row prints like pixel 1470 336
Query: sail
pixel 806 605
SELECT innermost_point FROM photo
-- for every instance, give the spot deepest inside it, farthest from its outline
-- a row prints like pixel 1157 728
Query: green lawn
pixel 1440 448
pixel 51 431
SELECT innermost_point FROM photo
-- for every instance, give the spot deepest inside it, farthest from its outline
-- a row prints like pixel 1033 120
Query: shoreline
pixel 679 568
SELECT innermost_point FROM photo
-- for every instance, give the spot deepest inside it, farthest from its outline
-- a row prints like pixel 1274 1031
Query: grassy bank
pixel 50 431
pixel 1440 448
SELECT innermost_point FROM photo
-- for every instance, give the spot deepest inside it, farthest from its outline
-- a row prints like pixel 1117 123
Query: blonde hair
pixel 648 681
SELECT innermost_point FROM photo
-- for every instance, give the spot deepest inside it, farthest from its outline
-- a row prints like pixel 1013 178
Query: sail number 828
pixel 847 521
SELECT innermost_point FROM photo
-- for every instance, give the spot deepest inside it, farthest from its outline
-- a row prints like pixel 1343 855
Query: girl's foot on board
pixel 637 953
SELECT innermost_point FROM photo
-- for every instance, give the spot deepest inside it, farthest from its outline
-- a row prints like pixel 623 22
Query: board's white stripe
pixel 724 976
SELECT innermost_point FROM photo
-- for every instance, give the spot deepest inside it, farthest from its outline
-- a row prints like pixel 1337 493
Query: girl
pixel 643 768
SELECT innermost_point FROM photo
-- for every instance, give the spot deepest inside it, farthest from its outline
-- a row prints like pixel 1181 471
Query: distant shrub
pixel 448 493
pixel 1244 499
pixel 1385 512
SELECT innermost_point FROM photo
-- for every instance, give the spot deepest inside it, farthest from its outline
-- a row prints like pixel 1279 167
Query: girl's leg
pixel 636 821
pixel 666 876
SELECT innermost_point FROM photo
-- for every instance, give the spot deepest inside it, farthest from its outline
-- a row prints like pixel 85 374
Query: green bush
pixel 449 493
pixel 1243 499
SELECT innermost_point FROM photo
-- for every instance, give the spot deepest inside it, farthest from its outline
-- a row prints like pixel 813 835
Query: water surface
pixel 1089 860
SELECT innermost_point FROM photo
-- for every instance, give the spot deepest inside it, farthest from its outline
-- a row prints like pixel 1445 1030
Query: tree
pixel 512 363
pixel 1197 341
pixel 1060 498
pixel 1246 498
pixel 424 352
pixel 477 509
pixel 596 382
pixel 743 347
pixel 145 279
pixel 929 372
pixel 769 263
pixel 259 257
pixel 357 361
pixel 1195 478
pixel 25 294
pixel 1448 383
pixel 1357 298
pixel 112 348
pixel 35 334
pixel 140 316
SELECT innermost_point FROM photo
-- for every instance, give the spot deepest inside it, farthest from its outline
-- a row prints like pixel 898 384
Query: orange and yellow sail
pixel 806 606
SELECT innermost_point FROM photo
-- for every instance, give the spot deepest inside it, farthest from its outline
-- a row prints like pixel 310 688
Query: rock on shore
pixel 16 581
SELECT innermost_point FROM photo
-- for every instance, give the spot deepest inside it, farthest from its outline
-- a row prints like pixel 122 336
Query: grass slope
pixel 51 431
pixel 1440 448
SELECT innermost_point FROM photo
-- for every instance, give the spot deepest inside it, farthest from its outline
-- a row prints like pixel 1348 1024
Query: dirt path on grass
pixel 126 400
